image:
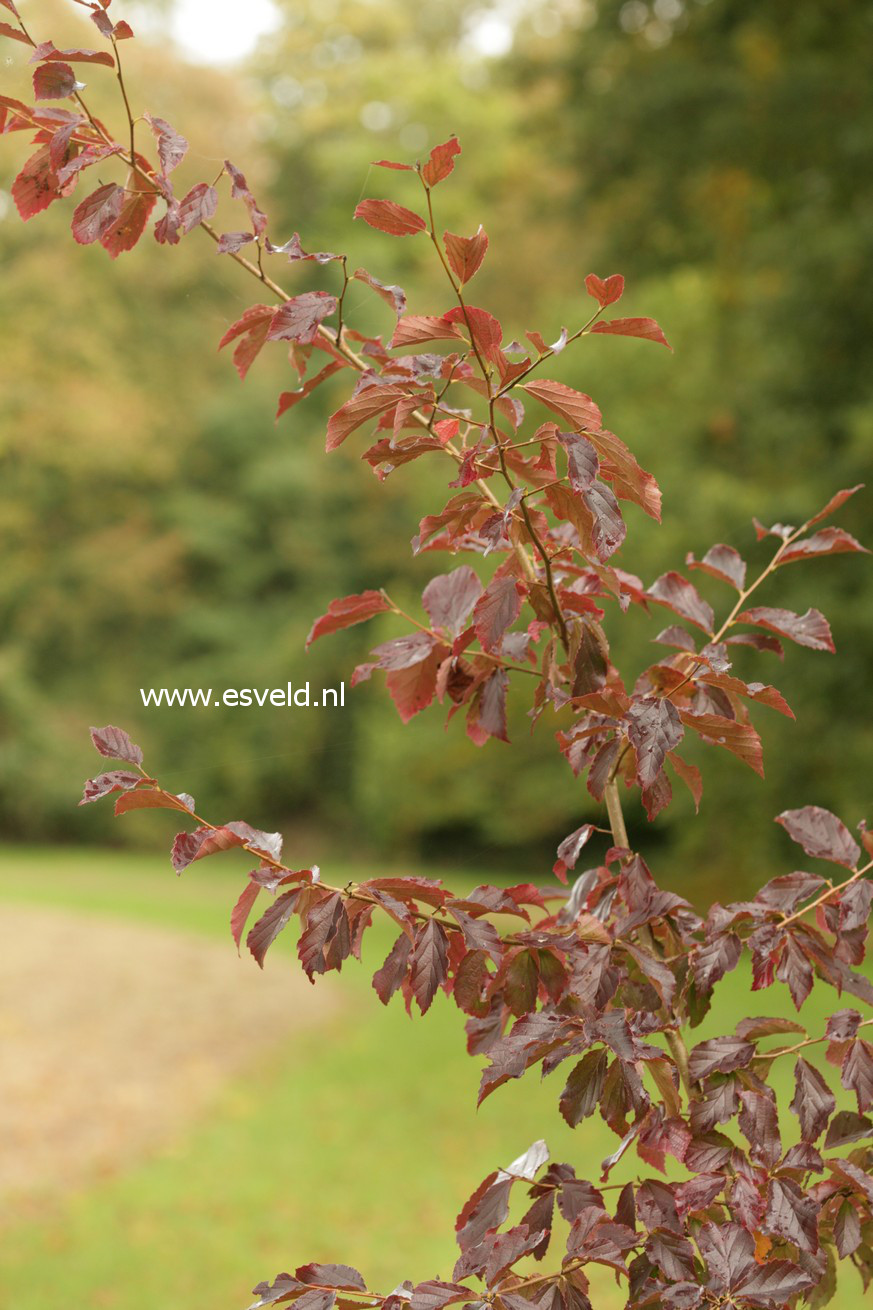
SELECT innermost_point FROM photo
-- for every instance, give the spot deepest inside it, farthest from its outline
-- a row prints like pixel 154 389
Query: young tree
pixel 608 976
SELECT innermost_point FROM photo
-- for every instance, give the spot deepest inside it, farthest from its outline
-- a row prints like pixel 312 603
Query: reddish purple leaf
pixel 722 562
pixel 678 595
pixel 271 923
pixel 115 744
pixel 449 599
pixel 96 214
pixel 300 318
pixel 429 962
pixel 172 147
pixel 496 610
pixel 821 834
pixel 810 629
pixel 54 82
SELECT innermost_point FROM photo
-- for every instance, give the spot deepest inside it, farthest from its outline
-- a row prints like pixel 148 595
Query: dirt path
pixel 114 1036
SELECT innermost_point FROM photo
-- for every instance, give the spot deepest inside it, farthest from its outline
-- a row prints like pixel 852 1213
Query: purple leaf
pixel 821 834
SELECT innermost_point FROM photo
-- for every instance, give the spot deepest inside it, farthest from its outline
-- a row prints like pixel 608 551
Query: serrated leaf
pixel 496 610
pixel 271 923
pixel 722 562
pixel 54 82
pixel 813 1102
pixel 346 612
pixel 299 318
pixel 96 213
pixel 429 965
pixel 115 744
pixel 810 629
pixel 678 595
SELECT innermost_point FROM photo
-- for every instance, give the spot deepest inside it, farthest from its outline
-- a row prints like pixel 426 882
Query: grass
pixel 357 1145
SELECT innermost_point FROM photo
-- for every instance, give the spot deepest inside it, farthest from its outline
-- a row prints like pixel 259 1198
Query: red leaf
pixel 390 217
pixel 810 629
pixel 46 51
pixel 605 291
pixel 392 295
pixel 153 798
pixel 346 612
pixel 389 163
pixel 36 186
pixel 129 226
pixel 388 979
pixel 429 966
pixel 582 462
pixel 646 328
pixel 821 834
pixel 299 318
pixel 484 329
pixel 172 147
pixel 739 738
pixel 488 715
pixel 830 541
pixel 54 82
pixel 290 398
pixel 413 688
pixel 415 329
pixel 441 161
pixel 678 595
pixel 115 744
pixel 465 253
pixel 241 911
pixel 571 848
pixel 253 328
pixel 359 410
pixel 96 213
pixel 722 562
pixel 197 206
pixel 690 775
pixel 6 29
pixel 836 502
pixel 496 610
pixel 577 408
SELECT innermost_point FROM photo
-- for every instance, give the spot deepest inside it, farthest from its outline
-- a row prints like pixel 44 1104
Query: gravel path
pixel 114 1036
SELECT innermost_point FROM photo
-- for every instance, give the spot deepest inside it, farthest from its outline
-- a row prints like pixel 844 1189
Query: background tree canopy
pixel 717 154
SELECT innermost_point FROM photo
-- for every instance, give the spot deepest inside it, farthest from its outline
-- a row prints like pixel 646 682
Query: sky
pixel 212 33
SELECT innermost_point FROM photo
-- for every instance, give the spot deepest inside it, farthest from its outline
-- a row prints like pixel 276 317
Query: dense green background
pixel 159 530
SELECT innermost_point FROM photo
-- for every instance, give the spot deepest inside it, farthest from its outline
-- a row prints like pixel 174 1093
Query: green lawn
pixel 356 1145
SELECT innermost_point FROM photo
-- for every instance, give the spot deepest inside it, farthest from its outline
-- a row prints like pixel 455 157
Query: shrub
pixel 609 975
